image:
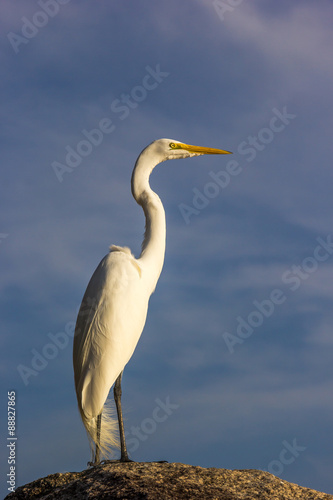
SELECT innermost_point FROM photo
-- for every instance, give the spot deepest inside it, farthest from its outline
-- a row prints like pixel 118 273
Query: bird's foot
pixel 116 461
pixel 125 459
pixel 93 464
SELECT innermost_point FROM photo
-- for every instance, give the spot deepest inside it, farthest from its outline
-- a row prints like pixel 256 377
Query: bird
pixel 114 307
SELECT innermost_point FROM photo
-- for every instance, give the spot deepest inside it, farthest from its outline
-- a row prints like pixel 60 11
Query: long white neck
pixel 153 246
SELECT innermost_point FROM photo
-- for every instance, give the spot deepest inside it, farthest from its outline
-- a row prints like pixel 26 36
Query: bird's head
pixel 169 149
pixel 159 151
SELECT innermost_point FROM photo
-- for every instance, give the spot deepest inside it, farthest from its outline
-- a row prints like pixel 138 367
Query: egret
pixel 114 307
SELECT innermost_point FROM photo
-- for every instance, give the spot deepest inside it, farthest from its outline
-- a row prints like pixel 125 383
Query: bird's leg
pixel 98 438
pixel 117 398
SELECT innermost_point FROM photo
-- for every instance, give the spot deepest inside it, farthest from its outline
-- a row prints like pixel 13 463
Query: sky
pixel 234 366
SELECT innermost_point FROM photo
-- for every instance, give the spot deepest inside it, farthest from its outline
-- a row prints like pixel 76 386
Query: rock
pixel 163 481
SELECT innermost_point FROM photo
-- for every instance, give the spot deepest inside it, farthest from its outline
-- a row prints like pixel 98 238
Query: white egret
pixel 114 307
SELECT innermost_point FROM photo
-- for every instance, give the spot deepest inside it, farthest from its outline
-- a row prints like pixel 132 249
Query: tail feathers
pixel 109 432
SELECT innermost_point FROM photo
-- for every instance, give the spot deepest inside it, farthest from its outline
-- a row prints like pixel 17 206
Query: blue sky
pixel 236 356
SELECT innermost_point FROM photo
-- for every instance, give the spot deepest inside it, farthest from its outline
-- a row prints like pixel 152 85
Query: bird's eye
pixel 172 145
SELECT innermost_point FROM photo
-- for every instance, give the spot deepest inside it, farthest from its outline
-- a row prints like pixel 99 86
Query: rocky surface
pixel 164 481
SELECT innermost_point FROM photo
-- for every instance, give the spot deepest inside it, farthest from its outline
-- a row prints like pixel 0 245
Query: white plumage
pixel 114 307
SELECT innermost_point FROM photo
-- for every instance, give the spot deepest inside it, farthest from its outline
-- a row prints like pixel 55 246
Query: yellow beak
pixel 202 151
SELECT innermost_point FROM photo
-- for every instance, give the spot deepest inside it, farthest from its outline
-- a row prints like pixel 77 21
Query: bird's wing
pixel 109 324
